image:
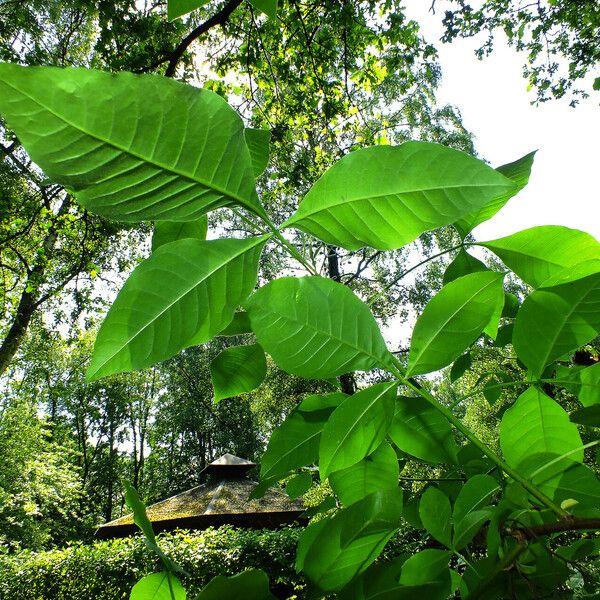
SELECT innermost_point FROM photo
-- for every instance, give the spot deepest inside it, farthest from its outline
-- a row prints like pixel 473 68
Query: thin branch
pixel 219 19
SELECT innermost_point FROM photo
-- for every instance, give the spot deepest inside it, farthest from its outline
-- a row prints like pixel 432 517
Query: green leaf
pixel 338 549
pixel 178 8
pixel 237 371
pixel 427 567
pixel 589 385
pixel 295 443
pixel 171 231
pixel 492 391
pixel 421 431
pixel 511 306
pixel 356 427
pixel 436 515
pixel 596 84
pixel 589 416
pixel 518 171
pixel 249 585
pixel 555 320
pixel 183 295
pixel 140 518
pixel 461 365
pixel 453 319
pixel 325 506
pixel 539 253
pixel 269 7
pixel 298 485
pixel 463 264
pixel 543 423
pixel 315 327
pixel 386 196
pixel 239 325
pixel 258 145
pixel 131 147
pixel 378 471
pixel 158 586
pixel 470 508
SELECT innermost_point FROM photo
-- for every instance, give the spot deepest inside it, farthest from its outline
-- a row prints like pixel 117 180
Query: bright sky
pixel 492 96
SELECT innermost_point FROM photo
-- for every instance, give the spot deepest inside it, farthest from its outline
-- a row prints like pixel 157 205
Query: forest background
pixel 324 81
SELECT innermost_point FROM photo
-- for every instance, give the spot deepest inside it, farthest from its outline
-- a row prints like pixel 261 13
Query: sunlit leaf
pixel 158 586
pixel 543 423
pixel 298 485
pixel 518 171
pixel 463 264
pixel 386 196
pixel 238 326
pixel 258 145
pixel 453 319
pixel 130 147
pixel 539 253
pixel 356 427
pixel 315 327
pixel 237 370
pixel 249 585
pixel 183 295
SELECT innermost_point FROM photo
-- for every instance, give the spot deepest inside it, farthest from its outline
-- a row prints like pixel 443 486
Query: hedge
pixel 107 570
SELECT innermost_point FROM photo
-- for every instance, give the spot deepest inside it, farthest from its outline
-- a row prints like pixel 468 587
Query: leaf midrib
pixel 129 152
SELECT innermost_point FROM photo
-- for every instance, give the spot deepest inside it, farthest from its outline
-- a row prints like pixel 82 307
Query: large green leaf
pixel 315 327
pixel 258 145
pixel 178 8
pixel 295 443
pixel 130 147
pixel 183 295
pixel 518 171
pixel 386 196
pixel 471 508
pixel 269 7
pixel 555 320
pixel 356 427
pixel 158 586
pixel 423 432
pixel 238 370
pixel 436 515
pixel 429 567
pixel 540 422
pixel 171 231
pixel 378 471
pixel 453 319
pixel 539 253
pixel 336 550
pixel 249 585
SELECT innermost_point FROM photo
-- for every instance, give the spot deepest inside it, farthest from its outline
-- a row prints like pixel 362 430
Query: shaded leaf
pixel 461 365
pixel 555 320
pixel 453 319
pixel 258 141
pixel 589 416
pixel 171 231
pixel 429 567
pixel 178 8
pixel 237 370
pixel 315 327
pixel 378 471
pixel 295 443
pixel 421 431
pixel 238 326
pixel 249 585
pixel 463 264
pixel 436 515
pixel 183 295
pixel 298 485
pixel 269 7
pixel 386 196
pixel 130 147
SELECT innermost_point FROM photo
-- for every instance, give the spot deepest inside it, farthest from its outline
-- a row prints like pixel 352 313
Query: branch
pixel 525 534
pixel 219 19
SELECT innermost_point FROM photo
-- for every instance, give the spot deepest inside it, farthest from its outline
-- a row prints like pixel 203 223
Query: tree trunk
pixel 347 381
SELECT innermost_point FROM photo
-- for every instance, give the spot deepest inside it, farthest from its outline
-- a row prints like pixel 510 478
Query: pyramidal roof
pixel 223 499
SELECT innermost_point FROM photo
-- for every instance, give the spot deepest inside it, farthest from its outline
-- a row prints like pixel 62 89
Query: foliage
pixel 107 570
pixel 560 38
pixel 499 526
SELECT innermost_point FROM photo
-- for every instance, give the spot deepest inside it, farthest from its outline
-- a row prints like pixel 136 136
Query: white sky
pixel 564 188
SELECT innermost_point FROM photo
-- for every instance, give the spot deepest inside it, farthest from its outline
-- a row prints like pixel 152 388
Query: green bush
pixel 107 570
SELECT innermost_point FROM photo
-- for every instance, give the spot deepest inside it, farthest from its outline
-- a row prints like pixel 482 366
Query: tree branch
pixel 219 19
pixel 525 534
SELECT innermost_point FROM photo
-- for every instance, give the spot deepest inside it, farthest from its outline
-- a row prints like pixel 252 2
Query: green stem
pixel 491 387
pixel 414 267
pixel 460 426
pixel 290 248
